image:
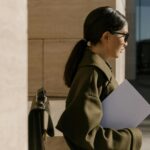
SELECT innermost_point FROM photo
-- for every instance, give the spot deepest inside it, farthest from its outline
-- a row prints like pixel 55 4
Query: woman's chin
pixel 119 53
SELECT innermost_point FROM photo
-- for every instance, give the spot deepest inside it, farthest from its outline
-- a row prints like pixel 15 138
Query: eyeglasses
pixel 125 35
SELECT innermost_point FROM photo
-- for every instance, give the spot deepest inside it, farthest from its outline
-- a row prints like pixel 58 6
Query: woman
pixel 90 79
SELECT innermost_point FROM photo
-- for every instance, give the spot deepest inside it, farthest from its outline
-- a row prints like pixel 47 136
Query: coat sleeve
pixel 80 122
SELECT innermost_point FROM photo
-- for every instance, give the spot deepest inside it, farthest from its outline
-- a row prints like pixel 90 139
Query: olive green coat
pixel 80 122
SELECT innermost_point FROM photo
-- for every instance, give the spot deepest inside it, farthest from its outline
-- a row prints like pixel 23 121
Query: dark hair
pixel 98 21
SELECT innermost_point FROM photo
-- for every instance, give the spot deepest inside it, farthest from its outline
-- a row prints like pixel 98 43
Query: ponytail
pixel 73 61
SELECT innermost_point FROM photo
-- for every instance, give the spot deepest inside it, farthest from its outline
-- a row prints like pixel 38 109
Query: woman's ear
pixel 105 36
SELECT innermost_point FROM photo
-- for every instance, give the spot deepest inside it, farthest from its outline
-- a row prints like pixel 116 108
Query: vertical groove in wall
pixel 43 63
pixel 131 48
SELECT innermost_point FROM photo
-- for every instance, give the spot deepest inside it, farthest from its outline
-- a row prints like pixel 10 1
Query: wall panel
pixel 60 19
pixel 56 53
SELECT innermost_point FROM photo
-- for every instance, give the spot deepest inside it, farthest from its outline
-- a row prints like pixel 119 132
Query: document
pixel 124 108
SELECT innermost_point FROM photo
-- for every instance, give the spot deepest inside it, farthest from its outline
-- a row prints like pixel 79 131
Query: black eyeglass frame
pixel 126 35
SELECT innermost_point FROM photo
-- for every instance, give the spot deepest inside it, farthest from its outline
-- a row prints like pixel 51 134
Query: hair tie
pixel 88 43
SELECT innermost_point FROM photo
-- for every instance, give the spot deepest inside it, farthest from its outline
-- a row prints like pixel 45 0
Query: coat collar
pixel 92 59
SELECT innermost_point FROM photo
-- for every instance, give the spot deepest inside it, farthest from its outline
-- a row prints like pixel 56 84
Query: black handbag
pixel 39 122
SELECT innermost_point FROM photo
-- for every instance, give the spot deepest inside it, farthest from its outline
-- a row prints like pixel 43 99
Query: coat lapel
pixel 92 59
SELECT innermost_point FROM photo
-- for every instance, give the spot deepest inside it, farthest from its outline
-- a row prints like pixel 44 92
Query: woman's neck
pixel 100 50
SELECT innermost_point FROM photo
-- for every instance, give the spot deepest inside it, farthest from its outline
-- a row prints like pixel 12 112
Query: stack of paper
pixel 124 108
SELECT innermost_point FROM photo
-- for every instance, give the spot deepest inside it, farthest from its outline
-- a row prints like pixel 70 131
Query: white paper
pixel 124 108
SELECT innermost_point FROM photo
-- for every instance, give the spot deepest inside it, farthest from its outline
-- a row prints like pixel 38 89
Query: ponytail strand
pixel 73 61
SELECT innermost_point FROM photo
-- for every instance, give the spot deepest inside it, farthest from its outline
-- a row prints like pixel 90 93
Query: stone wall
pixel 13 75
